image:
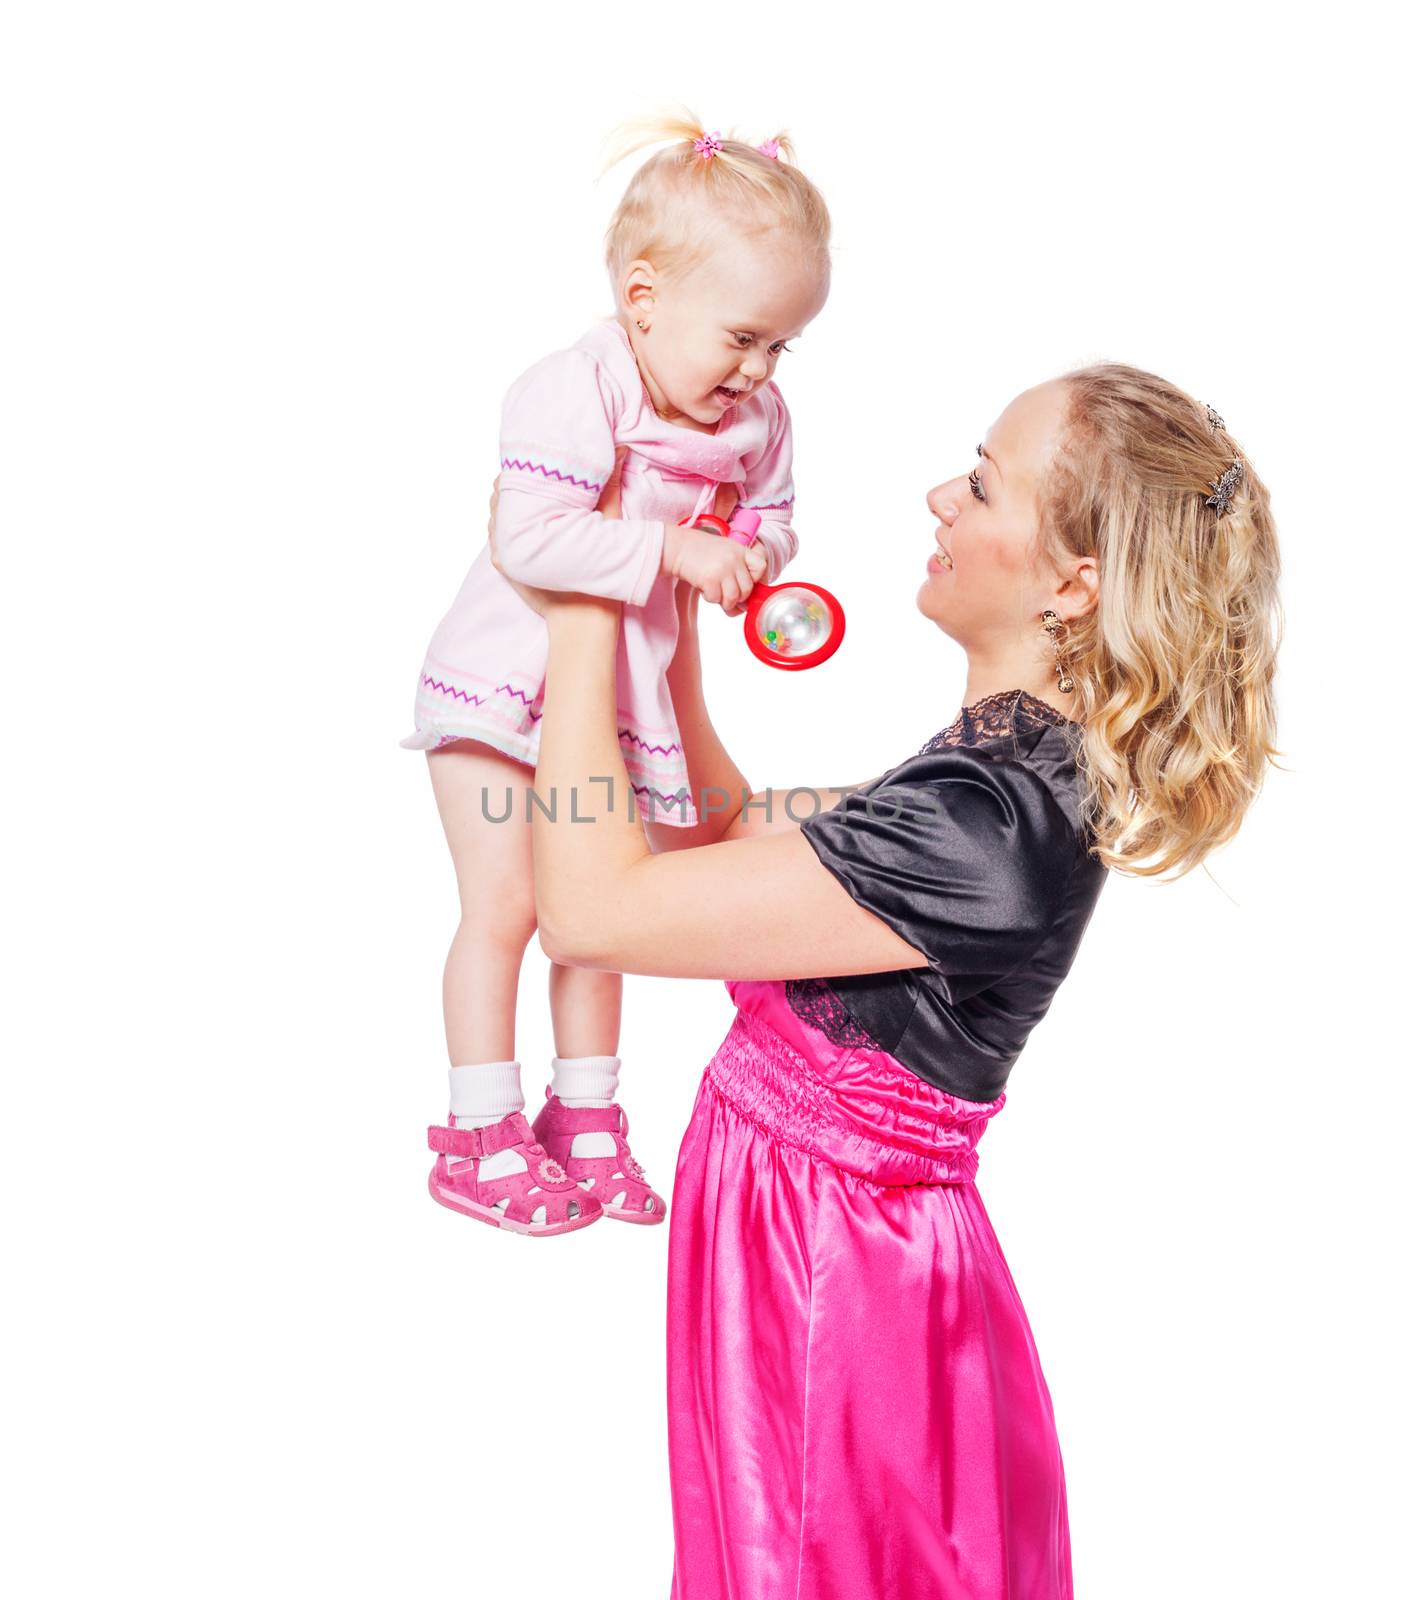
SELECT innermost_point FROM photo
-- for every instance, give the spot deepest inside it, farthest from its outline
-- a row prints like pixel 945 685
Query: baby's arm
pixel 557 454
pixel 768 490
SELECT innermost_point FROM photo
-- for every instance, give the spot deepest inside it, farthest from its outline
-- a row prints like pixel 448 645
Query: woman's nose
pixel 945 502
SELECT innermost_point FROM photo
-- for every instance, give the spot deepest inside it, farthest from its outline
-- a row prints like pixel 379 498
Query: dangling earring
pixel 1053 625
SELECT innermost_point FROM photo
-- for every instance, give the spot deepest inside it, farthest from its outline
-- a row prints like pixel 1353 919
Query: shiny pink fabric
pixel 856 1407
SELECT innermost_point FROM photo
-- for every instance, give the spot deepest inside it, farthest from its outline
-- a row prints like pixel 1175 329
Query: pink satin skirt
pixel 856 1410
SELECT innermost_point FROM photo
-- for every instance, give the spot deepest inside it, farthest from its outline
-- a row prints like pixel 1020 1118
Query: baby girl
pixel 718 254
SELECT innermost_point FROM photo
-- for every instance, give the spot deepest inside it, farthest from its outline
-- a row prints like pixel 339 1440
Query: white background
pixel 269 271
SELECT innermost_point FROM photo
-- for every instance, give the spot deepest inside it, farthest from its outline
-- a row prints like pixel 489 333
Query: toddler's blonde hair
pixel 678 202
pixel 1174 666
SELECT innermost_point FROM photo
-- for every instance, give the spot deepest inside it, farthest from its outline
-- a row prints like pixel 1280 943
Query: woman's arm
pixel 757 907
pixel 715 781
pixel 724 798
pixel 726 804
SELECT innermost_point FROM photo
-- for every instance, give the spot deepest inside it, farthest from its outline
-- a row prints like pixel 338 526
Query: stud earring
pixel 1053 625
pixel 639 324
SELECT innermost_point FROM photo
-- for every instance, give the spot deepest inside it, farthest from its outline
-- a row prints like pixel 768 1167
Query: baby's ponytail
pixel 682 128
pixel 703 181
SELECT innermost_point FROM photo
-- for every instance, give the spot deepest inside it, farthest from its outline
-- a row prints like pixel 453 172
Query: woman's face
pixel 981 587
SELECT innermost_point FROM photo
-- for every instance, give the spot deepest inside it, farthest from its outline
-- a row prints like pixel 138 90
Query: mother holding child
pixel 856 1406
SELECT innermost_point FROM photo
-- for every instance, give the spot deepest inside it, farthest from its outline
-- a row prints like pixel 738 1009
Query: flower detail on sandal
pixel 539 1198
pixel 616 1178
pixel 549 1170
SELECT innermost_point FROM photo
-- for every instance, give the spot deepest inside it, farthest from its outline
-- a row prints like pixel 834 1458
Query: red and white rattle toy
pixel 788 625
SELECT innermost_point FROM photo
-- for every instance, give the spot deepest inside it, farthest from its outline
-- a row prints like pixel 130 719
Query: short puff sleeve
pixel 966 857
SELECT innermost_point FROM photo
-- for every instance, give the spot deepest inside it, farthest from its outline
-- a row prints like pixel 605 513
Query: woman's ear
pixel 1083 587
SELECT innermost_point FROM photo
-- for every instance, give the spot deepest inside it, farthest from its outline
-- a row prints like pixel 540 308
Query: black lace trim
pixel 815 1002
pixel 995 716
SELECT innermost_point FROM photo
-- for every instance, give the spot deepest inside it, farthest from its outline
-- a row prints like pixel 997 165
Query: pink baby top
pixel 562 421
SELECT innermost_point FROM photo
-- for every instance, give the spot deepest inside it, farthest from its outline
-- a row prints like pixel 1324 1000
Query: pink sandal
pixel 512 1200
pixel 617 1178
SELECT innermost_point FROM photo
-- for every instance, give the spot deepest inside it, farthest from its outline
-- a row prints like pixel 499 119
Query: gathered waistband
pixel 857 1119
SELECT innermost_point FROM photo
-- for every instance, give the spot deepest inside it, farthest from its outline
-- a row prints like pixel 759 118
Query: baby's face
pixel 715 336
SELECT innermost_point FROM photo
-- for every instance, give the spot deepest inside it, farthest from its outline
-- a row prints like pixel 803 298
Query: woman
pixel 856 1407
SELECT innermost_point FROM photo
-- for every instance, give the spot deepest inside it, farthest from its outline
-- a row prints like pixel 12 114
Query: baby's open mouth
pixel 727 396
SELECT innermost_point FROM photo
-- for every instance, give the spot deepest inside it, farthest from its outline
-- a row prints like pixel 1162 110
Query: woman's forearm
pixel 728 806
pixel 744 907
pixel 715 781
pixel 586 832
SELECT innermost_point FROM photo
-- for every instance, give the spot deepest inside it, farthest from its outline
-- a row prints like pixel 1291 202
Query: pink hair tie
pixel 708 144
pixel 771 148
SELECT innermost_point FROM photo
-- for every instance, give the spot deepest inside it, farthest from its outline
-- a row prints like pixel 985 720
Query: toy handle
pixel 742 529
pixel 713 524
pixel 744 525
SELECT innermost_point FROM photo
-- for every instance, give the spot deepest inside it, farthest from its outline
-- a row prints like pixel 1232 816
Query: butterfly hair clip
pixel 1225 487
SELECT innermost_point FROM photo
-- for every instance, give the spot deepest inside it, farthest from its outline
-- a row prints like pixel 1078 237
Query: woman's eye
pixel 975 484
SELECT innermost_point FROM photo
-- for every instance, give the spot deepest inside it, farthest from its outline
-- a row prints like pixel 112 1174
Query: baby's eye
pixel 745 339
pixel 975 484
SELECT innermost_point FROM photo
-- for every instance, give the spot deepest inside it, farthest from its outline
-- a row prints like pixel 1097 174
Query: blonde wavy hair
pixel 1174 665
pixel 678 202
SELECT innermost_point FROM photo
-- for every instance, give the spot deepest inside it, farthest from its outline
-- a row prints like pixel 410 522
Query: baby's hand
pixel 715 566
pixel 756 566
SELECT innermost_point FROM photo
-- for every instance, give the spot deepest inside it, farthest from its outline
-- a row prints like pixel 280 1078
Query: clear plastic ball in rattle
pixel 788 625
pixel 793 622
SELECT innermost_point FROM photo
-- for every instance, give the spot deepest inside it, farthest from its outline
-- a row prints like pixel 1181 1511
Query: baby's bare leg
pixel 585 1007
pixel 497 891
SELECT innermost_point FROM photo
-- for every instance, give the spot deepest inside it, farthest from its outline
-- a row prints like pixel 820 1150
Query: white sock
pixel 586 1081
pixel 484 1093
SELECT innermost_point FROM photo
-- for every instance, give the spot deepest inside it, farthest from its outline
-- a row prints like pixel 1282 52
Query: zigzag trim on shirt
pixel 668 799
pixel 650 749
pixel 512 465
pixel 779 505
pixel 473 699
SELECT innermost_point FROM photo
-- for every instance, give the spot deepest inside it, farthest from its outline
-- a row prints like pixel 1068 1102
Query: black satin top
pixel 975 852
